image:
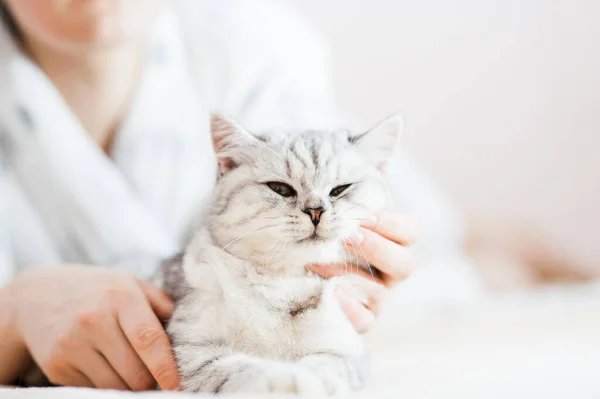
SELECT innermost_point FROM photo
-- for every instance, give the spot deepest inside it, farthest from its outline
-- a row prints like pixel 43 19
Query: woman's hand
pixel 383 240
pixel 95 327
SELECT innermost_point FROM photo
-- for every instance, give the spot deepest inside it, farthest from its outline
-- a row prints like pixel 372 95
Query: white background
pixel 501 100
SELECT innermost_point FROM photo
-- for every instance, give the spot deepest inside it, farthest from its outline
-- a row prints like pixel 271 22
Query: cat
pixel 249 316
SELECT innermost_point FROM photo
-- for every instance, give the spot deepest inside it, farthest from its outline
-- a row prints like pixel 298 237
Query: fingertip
pixel 360 317
pixel 370 222
pixel 160 302
pixel 415 229
pixel 402 272
pixel 357 238
pixel 168 380
pixel 171 386
pixel 342 296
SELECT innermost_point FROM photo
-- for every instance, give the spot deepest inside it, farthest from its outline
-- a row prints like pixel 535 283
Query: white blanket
pixel 544 344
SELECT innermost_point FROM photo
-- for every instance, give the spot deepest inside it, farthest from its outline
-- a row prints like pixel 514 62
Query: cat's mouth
pixel 314 237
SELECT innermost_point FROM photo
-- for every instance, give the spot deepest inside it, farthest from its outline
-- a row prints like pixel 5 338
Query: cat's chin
pixel 319 251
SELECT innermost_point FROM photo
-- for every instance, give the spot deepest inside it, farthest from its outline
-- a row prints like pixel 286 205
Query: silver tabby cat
pixel 249 317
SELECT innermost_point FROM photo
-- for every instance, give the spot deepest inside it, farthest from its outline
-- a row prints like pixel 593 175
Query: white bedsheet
pixel 543 344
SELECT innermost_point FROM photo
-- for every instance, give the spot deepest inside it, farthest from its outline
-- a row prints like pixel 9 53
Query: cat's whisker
pixel 273 248
pixel 262 259
pixel 355 257
pixel 284 218
pixel 245 234
pixel 352 207
pixel 346 256
pixel 274 253
pixel 357 247
pixel 285 243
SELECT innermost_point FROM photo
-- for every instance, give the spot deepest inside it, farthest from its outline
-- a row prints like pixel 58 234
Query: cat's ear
pixel 381 141
pixel 228 139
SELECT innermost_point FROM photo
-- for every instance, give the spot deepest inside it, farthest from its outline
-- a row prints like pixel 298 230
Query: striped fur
pixel 249 316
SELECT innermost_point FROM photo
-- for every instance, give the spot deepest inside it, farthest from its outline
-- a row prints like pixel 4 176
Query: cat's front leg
pixel 221 370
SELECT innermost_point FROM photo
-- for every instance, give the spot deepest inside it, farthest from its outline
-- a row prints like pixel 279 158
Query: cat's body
pixel 249 316
pixel 232 329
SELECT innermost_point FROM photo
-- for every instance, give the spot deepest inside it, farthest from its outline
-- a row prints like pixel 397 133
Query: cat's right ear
pixel 381 141
pixel 229 138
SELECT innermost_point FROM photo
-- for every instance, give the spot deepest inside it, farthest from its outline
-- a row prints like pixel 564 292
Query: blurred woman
pixel 106 161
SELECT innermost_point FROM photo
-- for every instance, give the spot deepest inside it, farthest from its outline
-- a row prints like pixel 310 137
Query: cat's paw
pixel 334 384
pixel 277 378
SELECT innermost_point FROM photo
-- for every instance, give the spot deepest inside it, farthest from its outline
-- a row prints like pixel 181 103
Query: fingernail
pixel 357 237
pixel 370 221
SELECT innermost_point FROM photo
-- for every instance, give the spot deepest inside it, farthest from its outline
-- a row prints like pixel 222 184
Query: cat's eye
pixel 283 189
pixel 339 190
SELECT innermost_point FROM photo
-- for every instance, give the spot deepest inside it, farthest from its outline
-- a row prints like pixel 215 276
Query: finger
pixel 147 337
pixel 73 378
pixel 125 361
pixel 159 301
pixel 392 259
pixel 78 379
pixel 99 372
pixel 393 226
pixel 361 318
pixel 365 289
pixel 367 292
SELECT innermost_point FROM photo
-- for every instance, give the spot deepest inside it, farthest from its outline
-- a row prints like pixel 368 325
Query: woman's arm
pixel 14 357
pixel 6 264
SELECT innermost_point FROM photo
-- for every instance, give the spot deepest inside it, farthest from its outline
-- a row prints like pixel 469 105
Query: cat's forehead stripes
pixel 308 156
pixel 298 151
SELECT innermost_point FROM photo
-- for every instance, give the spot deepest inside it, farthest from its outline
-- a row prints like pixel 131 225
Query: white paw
pixel 335 385
pixel 277 378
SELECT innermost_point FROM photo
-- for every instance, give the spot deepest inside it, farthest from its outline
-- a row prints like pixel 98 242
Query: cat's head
pixel 289 199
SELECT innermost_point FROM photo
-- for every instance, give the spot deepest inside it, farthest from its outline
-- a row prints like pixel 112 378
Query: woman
pixel 106 160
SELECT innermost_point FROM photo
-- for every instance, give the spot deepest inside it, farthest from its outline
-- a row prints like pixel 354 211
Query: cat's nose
pixel 314 213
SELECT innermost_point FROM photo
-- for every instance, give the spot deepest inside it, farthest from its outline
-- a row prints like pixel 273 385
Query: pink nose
pixel 315 214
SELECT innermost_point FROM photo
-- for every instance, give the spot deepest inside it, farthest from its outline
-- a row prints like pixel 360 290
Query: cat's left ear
pixel 230 140
pixel 380 142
